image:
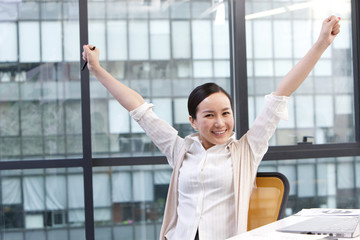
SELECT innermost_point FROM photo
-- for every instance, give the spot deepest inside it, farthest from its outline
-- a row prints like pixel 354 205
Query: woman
pixel 213 173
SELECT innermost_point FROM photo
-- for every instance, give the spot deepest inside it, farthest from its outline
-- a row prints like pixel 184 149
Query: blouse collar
pixel 195 137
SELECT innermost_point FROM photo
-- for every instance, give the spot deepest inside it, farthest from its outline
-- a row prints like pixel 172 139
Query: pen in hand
pixel 85 63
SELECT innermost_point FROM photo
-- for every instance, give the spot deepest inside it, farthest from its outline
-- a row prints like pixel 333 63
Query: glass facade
pixel 40 82
pixel 42 204
pixel 129 201
pixel 162 49
pixel 278 35
pixel 320 182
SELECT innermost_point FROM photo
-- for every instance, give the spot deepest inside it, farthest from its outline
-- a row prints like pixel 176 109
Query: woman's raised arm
pixel 126 96
pixel 292 80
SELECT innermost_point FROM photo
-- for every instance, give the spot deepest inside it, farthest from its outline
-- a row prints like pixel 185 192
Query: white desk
pixel 268 232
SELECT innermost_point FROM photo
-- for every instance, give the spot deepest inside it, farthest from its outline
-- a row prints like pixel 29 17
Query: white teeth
pixel 219 132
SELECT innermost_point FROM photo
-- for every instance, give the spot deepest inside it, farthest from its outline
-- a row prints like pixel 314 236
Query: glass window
pixel 118 114
pixel 29 10
pixel 96 9
pixel 262 40
pixel 116 10
pixel 98 39
pixel 51 10
pixel 117 40
pixel 71 41
pixel 37 121
pixel 202 69
pixel 164 109
pixel 51 42
pixel 138 40
pixel 321 182
pixel 160 39
pixel 8 46
pixel 221 40
pixel 39 201
pixel 102 201
pixel 163 52
pixel 201 39
pixel 75 192
pixel 282 45
pixel 132 198
pixel 181 39
pixel 222 69
pixel 29 42
pixel 180 10
pixel 278 35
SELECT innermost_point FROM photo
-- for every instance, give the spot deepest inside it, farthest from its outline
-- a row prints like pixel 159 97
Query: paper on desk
pixel 278 236
pixel 328 212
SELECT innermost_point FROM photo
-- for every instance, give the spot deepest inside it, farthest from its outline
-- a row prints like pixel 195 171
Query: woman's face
pixel 214 120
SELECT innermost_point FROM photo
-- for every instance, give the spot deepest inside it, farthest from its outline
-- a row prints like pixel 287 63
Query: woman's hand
pixel 91 56
pixel 330 28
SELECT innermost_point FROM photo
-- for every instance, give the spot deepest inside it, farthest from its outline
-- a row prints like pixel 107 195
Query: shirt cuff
pixel 139 112
pixel 278 105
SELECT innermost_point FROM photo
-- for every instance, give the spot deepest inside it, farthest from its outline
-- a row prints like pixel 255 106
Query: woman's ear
pixel 193 122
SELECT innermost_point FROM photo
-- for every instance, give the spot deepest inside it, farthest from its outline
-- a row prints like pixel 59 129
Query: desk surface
pixel 268 232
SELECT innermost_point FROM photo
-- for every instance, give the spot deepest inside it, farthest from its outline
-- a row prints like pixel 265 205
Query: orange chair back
pixel 268 200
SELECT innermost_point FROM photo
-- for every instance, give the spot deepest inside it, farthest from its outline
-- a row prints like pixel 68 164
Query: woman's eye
pixel 209 115
pixel 226 113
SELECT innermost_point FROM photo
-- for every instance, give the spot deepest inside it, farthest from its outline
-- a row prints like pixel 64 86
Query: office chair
pixel 268 200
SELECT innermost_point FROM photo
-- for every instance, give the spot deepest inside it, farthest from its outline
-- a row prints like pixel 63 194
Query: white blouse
pixel 206 193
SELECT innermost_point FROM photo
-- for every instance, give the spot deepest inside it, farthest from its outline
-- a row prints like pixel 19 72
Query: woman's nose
pixel 219 122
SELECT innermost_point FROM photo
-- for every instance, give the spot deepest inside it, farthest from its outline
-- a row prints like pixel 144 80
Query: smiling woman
pixel 213 173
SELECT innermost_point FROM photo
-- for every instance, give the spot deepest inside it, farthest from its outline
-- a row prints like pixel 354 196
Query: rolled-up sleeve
pixel 278 105
pixel 162 134
pixel 266 123
pixel 137 113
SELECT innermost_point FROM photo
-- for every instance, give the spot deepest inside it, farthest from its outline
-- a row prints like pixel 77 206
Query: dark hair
pixel 200 93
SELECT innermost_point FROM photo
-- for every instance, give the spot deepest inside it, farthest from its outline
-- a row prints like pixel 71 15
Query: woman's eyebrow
pixel 207 111
pixel 212 111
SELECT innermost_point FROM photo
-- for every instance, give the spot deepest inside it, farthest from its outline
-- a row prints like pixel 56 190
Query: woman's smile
pixel 219 132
